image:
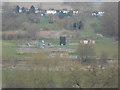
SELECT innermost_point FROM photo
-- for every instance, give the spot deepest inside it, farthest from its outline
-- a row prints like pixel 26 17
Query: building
pixel 97 13
pixel 65 11
pixel 75 12
pixel 87 41
pixel 63 40
pixel 44 12
pixel 37 10
pixel 20 10
pixel 51 11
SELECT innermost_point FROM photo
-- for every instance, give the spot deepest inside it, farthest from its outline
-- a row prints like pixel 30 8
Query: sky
pixel 59 0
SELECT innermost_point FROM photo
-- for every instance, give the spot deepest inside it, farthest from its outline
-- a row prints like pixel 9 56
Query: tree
pixel 104 57
pixel 23 10
pixel 86 52
pixel 75 25
pixel 51 18
pixel 17 9
pixel 78 25
pixel 62 15
pixel 32 9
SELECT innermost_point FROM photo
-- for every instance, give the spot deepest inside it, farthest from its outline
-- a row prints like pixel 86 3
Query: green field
pixel 102 45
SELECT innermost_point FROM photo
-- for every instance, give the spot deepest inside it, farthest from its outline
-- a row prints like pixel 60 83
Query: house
pixel 20 10
pixel 37 10
pixel 51 11
pixel 75 12
pixel 100 13
pixel 88 41
pixel 42 12
pixel 85 41
pixel 65 11
pixel 97 13
pixel 93 42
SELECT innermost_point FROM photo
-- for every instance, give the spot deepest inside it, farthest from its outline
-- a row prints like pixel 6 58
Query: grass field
pixel 9 48
pixel 102 45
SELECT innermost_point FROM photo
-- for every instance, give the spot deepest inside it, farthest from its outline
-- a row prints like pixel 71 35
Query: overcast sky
pixel 59 0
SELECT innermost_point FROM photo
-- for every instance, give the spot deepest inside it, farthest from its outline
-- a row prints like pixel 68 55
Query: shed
pixel 63 40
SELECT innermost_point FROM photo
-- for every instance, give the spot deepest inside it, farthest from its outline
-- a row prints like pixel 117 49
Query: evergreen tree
pixel 23 10
pixel 17 9
pixel 32 9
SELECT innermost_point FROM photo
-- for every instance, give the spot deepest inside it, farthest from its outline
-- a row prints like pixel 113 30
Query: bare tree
pixel 104 57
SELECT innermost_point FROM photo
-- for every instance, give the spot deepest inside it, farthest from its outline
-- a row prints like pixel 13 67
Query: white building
pixel 75 12
pixel 100 13
pixel 97 13
pixel 51 11
pixel 88 41
pixel 20 10
pixel 37 10
pixel 85 41
pixel 94 14
pixel 65 11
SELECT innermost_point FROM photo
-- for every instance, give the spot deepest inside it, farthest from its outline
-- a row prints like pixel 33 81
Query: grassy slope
pixel 45 25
